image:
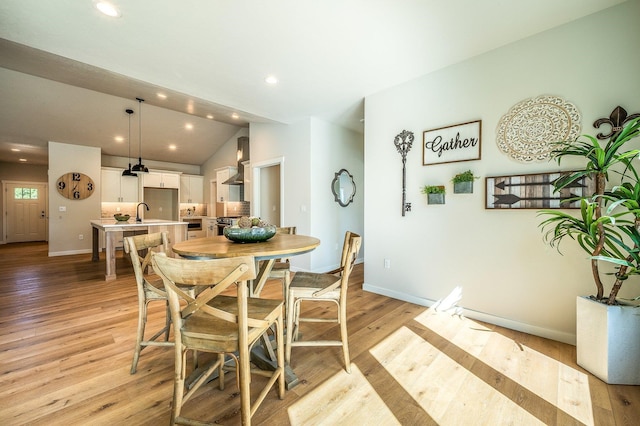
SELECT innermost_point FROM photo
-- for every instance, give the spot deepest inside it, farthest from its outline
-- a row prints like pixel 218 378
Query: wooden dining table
pixel 265 253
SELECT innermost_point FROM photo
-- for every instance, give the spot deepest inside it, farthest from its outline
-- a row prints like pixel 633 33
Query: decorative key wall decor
pixel 403 142
pixel 534 191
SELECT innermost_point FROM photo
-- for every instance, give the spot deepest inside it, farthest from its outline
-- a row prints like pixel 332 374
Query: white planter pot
pixel 608 341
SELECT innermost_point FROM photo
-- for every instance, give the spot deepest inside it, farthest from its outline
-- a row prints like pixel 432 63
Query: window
pixel 25 193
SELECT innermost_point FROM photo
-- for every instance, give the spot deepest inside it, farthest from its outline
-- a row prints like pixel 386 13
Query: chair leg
pixel 344 336
pixel 245 381
pixel 142 321
pixel 178 385
pixel 290 315
pixel 167 323
pixel 280 355
pixel 221 372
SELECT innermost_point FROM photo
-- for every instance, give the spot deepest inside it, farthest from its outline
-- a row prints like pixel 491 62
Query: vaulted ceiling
pixel 68 72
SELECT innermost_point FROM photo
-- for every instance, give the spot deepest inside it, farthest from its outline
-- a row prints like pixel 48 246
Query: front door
pixel 26 212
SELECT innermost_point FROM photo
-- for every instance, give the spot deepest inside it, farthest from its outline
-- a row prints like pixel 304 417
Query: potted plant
pixel 435 193
pixel 607 228
pixel 463 182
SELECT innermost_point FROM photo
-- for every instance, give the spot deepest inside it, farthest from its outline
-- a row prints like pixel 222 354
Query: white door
pixel 26 212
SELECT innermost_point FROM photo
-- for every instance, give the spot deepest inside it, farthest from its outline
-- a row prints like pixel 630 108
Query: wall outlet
pixel 387 263
pixel 62 208
pixel 80 237
pixel 117 209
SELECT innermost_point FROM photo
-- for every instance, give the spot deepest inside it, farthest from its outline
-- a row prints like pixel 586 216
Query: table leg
pixel 261 278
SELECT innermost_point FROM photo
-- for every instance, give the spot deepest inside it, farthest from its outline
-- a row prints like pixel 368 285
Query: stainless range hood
pixel 243 155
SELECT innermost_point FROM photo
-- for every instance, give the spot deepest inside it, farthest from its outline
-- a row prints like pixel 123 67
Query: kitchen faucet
pixel 138 218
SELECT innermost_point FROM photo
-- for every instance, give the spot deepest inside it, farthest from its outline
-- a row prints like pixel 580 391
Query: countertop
pixel 112 223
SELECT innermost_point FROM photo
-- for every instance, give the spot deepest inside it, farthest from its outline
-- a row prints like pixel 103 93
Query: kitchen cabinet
pixel 191 189
pixel 161 180
pixel 211 226
pixel 226 192
pixel 117 188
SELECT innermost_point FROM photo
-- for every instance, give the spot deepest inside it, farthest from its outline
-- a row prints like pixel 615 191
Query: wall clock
pixel 75 186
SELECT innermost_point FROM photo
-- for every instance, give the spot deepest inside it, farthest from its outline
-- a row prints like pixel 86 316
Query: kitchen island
pixel 177 232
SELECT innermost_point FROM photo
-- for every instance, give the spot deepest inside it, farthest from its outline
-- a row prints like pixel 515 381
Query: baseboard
pixel 480 316
pixel 69 252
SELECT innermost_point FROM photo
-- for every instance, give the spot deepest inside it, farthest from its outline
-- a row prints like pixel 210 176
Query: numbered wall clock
pixel 75 186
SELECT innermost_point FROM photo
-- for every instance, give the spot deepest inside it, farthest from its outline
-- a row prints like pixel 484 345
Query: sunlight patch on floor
pixel 447 391
pixel 345 399
pixel 553 381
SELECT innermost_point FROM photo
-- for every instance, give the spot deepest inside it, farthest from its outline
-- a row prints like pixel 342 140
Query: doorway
pixel 25 209
pixel 268 196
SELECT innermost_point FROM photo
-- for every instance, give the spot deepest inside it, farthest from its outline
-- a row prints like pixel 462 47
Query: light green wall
pixel 507 274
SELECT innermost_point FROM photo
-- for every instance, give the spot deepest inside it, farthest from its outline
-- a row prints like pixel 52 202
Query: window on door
pixel 25 193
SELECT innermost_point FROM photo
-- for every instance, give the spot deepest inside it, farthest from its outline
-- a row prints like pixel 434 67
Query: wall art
pixel 403 142
pixel 534 191
pixel 459 142
pixel 525 132
pixel 617 119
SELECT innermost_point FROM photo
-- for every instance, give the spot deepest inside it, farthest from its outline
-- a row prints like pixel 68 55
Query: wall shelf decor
pixel 526 132
pixel 460 142
pixel 435 193
pixel 534 191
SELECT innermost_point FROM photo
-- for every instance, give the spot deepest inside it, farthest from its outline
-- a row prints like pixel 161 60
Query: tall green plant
pixel 608 225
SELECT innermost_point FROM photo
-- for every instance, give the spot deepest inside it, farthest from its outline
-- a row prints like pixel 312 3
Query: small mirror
pixel 343 188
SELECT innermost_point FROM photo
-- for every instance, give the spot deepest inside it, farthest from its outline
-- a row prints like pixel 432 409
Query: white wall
pixel 65 227
pixel 507 274
pixel 313 150
pixel 225 156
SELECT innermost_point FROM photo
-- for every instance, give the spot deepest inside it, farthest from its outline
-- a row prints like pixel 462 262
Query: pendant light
pixel 128 171
pixel 140 167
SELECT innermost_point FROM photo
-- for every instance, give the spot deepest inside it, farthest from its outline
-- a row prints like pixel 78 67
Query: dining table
pixel 265 254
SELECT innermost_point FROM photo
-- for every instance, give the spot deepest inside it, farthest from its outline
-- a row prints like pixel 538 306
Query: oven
pixel 221 222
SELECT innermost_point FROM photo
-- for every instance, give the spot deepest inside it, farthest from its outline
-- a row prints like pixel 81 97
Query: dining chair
pixel 281 269
pixel 150 288
pixel 208 321
pixel 331 286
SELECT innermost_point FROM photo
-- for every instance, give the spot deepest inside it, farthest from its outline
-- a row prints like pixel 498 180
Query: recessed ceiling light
pixel 15 150
pixel 172 147
pixel 119 139
pixel 107 9
pixel 188 126
pixel 271 79
pixel 161 95
pixel 235 116
pixel 210 116
pixel 24 160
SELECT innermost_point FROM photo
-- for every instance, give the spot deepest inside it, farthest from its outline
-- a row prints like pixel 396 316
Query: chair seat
pixel 154 288
pixel 313 281
pixel 205 332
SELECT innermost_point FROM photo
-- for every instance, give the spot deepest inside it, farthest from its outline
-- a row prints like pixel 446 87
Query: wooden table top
pixel 219 246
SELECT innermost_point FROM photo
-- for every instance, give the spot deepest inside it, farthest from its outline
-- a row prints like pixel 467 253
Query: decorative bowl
pixel 249 235
pixel 121 217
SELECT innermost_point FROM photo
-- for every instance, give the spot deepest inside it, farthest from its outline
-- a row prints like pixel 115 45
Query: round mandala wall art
pixel 525 132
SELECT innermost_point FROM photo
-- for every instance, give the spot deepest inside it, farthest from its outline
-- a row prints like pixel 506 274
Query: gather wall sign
pixel 459 142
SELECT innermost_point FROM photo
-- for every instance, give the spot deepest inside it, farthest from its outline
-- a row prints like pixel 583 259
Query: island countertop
pixel 176 230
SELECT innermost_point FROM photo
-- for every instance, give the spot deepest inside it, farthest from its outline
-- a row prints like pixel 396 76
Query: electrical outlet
pixel 80 237
pixel 62 208
pixel 387 263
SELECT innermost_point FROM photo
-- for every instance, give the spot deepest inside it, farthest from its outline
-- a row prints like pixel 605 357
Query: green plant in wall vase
pixel 435 193
pixel 463 182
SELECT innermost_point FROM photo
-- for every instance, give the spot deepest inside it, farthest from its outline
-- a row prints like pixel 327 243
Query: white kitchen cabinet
pixel 161 180
pixel 226 192
pixel 191 189
pixel 117 188
pixel 211 226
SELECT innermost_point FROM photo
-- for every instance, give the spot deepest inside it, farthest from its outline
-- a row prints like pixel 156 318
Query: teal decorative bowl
pixel 121 217
pixel 249 235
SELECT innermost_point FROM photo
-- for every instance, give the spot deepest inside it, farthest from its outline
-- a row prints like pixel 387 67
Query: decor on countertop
pixel 526 131
pixel 617 119
pixel 343 187
pixel 128 171
pixel 608 230
pixel 463 182
pixel 535 191
pixel 140 167
pixel 249 230
pixel 459 142
pixel 121 217
pixel 403 142
pixel 435 193
pixel 75 186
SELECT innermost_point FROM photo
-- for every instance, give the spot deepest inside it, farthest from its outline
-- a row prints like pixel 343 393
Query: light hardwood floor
pixel 67 337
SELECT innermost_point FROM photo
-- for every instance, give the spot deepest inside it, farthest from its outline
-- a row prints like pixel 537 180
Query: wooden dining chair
pixel 220 324
pixel 281 269
pixel 150 288
pixel 331 286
